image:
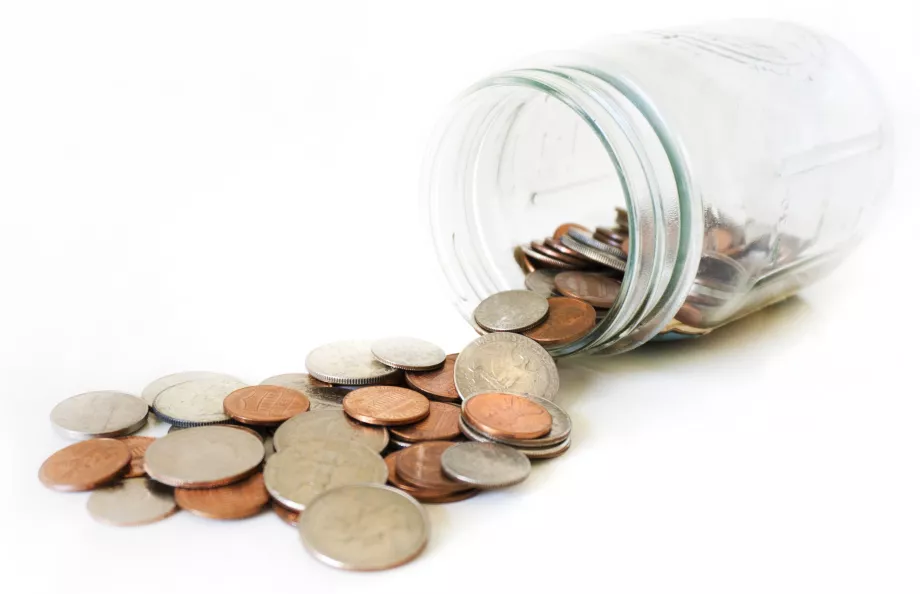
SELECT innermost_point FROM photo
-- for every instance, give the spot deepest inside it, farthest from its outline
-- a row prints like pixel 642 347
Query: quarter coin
pixel 441 424
pixel 154 388
pixel 196 402
pixel 324 425
pixel 485 465
pixel 131 502
pixel 386 405
pixel 411 354
pixel 231 502
pixel 204 457
pixel 85 465
pixel 137 446
pixel 296 381
pixel 437 385
pixel 506 362
pixel 364 527
pixel 507 415
pixel 265 405
pixel 99 414
pixel 569 319
pixel 420 465
pixel 511 311
pixel 597 289
pixel 616 262
pixel 349 363
pixel 296 475
pixel 542 282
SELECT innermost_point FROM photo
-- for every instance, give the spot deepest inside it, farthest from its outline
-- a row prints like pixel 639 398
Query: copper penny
pixel 385 405
pixel 137 447
pixel 289 516
pixel 611 234
pixel 563 229
pixel 569 319
pixel 439 384
pixel 423 495
pixel 442 423
pixel 507 416
pixel 265 405
pixel 547 261
pixel 420 465
pixel 232 502
pixel 85 465
pixel 597 289
pixel 552 253
pixel 523 261
pixel 316 383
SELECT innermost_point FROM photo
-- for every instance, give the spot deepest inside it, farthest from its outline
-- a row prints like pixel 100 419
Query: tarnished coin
pixel 542 282
pixel 437 385
pixel 597 289
pixel 154 388
pixel 138 447
pixel 485 465
pixel 411 354
pixel 506 416
pixel 296 381
pixel 325 425
pixel 265 405
pixel 521 258
pixel 569 319
pixel 196 402
pixel 296 475
pixel 364 527
pixel 231 502
pixel 420 465
pixel 386 405
pixel 204 457
pixel 131 502
pixel 506 362
pixel 349 363
pixel 511 311
pixel 441 424
pixel 99 414
pixel 289 516
pixel 534 453
pixel 85 465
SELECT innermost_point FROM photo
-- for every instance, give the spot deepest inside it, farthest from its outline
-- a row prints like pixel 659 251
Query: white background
pixel 224 185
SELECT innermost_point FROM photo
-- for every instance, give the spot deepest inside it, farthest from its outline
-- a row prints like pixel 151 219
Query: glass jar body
pixel 751 157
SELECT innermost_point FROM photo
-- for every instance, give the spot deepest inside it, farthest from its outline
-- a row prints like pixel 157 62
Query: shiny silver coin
pixel 588 239
pixel 485 465
pixel 324 425
pixel 350 363
pixel 511 311
pixel 364 527
pixel 537 453
pixel 542 282
pixel 596 255
pixel 298 474
pixel 411 354
pixel 99 414
pixel 196 402
pixel 131 502
pixel 154 388
pixel 505 362
pixel 202 457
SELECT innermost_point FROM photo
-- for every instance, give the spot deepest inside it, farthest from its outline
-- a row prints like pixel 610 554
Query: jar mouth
pixel 487 183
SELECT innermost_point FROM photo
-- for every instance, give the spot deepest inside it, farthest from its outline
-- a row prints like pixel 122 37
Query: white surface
pixel 191 185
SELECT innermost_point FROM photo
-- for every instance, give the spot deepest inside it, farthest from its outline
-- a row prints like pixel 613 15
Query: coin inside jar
pixel 511 311
pixel 265 405
pixel 441 424
pixel 231 502
pixel 596 289
pixel 386 405
pixel 420 465
pixel 438 384
pixel 569 319
pixel 85 465
pixel 507 415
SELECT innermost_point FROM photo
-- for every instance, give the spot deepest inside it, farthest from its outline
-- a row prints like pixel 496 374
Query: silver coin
pixel 349 362
pixel 588 239
pixel 202 457
pixel 511 311
pixel 505 362
pixel 364 527
pixel 323 425
pixel 596 255
pixel 196 402
pixel 485 465
pixel 99 414
pixel 131 502
pixel 411 354
pixel 321 398
pixel 537 453
pixel 154 388
pixel 542 282
pixel 298 474
pixel 295 381
pixel 268 443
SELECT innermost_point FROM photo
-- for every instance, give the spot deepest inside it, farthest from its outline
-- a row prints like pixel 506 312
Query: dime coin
pixel 485 465
pixel 542 282
pixel 289 516
pixel 154 388
pixel 511 311
pixel 521 258
pixel 386 405
pixel 99 414
pixel 506 362
pixel 534 453
pixel 410 354
pixel 535 256
pixel 137 446
pixel 441 424
pixel 296 381
pixel 85 465
pixel 231 502
pixel 563 229
pixel 131 502
pixel 364 527
pixel 569 319
pixel 507 415
pixel 420 465
pixel 349 362
pixel 322 425
pixel 196 402
pixel 265 405
pixel 296 475
pixel 204 457
pixel 437 385
pixel 597 289
pixel 600 256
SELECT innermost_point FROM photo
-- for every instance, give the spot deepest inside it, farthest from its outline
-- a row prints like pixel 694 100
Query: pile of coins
pixel 312 444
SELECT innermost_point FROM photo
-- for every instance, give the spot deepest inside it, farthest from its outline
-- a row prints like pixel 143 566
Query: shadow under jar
pixel 751 156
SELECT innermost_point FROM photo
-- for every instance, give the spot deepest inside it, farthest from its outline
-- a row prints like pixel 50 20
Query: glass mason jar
pixel 751 156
